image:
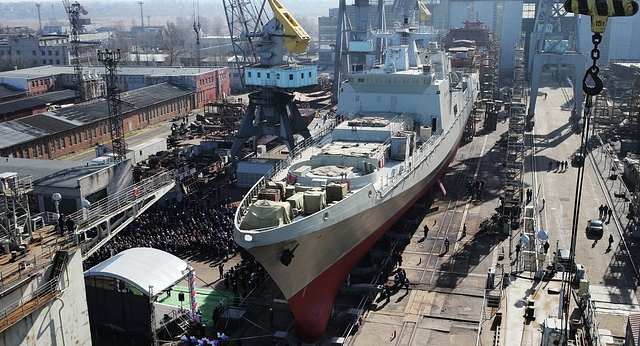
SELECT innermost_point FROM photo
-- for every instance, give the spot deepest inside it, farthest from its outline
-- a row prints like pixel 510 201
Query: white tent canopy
pixel 143 267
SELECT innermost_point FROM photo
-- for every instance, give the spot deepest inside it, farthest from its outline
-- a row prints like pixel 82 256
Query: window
pixel 33 53
pixel 57 53
pixel 49 53
pixel 44 62
pixel 309 74
pixel 50 61
pixel 268 75
pixel 302 75
pixel 57 61
pixel 290 76
pixel 258 74
pixel 249 74
pixel 528 10
pixel 17 52
pixel 42 52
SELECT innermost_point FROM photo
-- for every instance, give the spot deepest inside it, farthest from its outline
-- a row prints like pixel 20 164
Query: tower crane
pixel 73 12
pixel 39 18
pixel 261 46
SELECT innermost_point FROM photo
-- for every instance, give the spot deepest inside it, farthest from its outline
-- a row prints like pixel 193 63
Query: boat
pixel 396 128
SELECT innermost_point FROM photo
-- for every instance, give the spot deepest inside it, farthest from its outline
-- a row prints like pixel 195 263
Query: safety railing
pixel 25 266
pixel 27 304
pixel 117 201
pixel 280 166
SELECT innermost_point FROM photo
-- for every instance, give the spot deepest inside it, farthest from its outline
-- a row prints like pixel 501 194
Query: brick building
pixel 56 133
pixel 208 83
pixel 16 109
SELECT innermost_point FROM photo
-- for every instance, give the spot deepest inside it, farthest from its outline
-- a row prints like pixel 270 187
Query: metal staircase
pixel 59 262
pixel 113 213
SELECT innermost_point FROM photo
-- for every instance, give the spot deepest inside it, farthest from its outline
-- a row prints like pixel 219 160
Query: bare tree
pixel 171 42
pixel 120 41
pixel 8 63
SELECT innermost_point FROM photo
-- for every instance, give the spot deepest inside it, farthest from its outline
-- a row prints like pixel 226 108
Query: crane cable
pixel 592 85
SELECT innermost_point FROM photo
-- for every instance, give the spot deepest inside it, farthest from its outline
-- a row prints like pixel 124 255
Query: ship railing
pixel 321 136
pixel 412 162
pixel 25 268
pixel 27 304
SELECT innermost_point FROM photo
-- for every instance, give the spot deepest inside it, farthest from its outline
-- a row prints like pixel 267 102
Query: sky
pixel 23 12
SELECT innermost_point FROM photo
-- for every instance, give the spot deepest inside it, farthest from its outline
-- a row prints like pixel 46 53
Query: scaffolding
pixel 512 203
pixel 15 219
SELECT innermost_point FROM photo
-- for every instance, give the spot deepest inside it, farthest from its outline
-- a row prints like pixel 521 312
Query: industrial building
pixel 59 132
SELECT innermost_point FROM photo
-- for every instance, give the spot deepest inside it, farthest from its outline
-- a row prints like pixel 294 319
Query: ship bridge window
pixel 360 80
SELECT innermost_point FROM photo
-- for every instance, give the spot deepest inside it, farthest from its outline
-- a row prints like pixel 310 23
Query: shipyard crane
pixel 261 46
pixel 73 11
pixel 38 4
pixel 554 41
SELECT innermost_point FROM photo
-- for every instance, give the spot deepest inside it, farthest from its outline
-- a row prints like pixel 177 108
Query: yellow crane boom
pixel 296 38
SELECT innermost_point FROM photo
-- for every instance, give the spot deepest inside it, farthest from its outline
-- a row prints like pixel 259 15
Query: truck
pixel 105 159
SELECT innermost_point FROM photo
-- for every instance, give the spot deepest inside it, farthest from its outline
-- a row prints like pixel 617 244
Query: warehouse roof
pixel 39 100
pixel 7 90
pixel 32 127
pixel 49 70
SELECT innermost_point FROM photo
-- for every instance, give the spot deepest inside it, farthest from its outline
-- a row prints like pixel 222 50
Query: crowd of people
pixel 178 229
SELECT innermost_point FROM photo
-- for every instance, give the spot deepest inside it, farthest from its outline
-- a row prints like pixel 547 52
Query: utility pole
pixel 141 16
pixel 39 18
pixel 110 60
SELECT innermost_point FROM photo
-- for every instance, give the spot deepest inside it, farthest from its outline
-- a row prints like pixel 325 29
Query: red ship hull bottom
pixel 313 304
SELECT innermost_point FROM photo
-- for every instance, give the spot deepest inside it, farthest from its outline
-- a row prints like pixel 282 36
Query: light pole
pixel 56 197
